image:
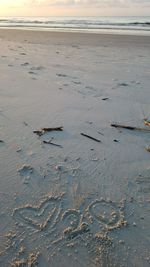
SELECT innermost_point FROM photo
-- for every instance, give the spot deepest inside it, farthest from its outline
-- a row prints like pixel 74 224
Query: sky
pixel 74 7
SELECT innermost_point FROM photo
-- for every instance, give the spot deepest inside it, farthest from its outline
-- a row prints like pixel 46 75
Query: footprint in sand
pixel 26 171
pixel 123 84
pixel 65 84
pixel 34 69
pixel 25 64
pixel 77 82
pixel 32 72
pixel 61 75
pixel 89 87
pixel 38 68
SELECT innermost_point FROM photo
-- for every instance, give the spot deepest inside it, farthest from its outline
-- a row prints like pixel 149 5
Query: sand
pixel 67 200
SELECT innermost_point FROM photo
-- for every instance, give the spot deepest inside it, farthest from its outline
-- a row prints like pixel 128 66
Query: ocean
pixel 131 25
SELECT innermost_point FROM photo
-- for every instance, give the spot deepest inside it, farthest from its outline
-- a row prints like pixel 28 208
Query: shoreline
pixel 53 37
pixel 105 31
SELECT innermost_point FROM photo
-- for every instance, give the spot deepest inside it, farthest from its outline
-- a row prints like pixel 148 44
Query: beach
pixel 74 190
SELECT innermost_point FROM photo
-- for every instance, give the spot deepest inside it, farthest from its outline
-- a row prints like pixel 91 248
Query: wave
pixel 73 28
pixel 77 23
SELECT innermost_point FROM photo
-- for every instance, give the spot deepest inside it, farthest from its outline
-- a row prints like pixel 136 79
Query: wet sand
pixel 67 200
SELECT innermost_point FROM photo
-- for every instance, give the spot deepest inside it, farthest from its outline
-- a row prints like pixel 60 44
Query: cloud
pixel 80 3
pixel 90 3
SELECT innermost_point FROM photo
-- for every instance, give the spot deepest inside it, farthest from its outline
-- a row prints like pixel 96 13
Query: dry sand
pixel 74 202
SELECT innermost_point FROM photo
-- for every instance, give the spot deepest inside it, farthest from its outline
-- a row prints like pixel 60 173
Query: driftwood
pixel 116 141
pixel 53 129
pixel 45 130
pixel 105 98
pixel 148 148
pixel 132 128
pixel 90 137
pixel 146 122
pixel 51 143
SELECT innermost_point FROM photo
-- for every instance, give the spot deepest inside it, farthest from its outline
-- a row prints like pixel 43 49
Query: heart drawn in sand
pixel 39 217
